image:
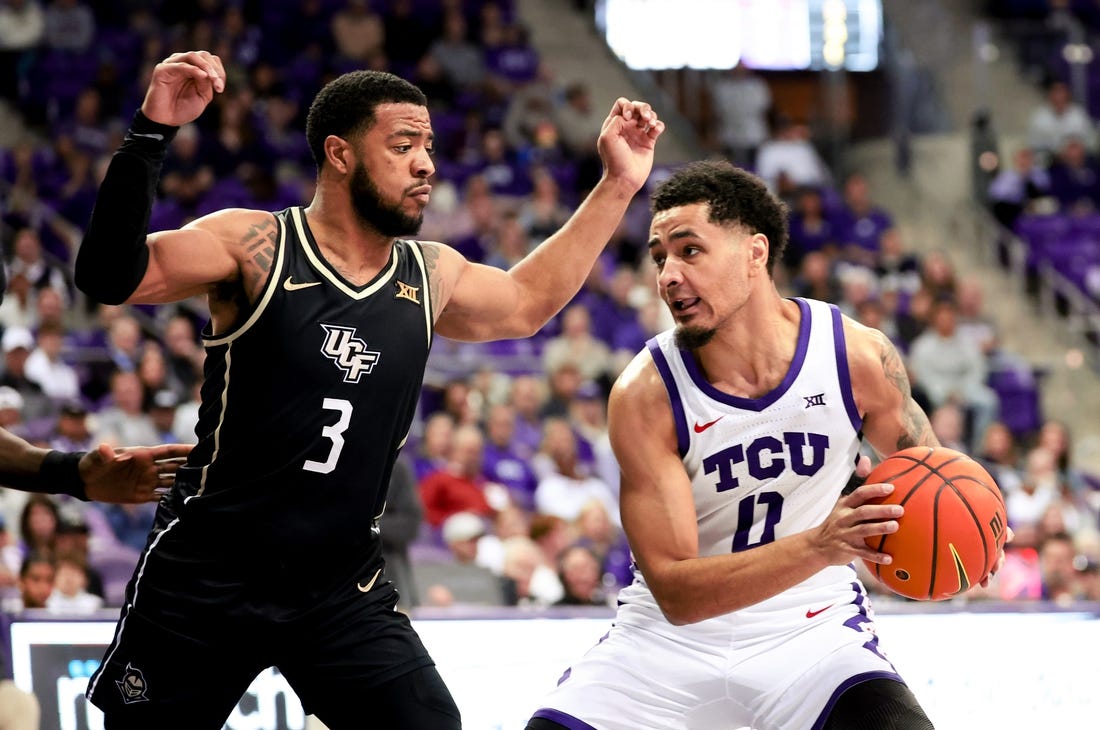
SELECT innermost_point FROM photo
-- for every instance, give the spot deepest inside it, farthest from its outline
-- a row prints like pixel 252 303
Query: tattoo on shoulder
pixel 893 366
pixel 431 263
pixel 258 243
pixel 916 429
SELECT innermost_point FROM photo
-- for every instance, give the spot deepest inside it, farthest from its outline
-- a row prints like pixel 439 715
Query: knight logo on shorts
pixel 348 352
pixel 132 686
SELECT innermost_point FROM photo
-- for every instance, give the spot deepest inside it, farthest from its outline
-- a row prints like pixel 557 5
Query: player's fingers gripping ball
pixel 954 525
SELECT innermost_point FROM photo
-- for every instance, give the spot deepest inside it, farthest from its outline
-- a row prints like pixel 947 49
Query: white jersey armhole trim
pixel 217 429
pixel 269 291
pixel 414 246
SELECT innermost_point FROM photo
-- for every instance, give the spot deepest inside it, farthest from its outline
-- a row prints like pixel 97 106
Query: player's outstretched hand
pixel 132 474
pixel 842 536
pixel 181 87
pixel 627 140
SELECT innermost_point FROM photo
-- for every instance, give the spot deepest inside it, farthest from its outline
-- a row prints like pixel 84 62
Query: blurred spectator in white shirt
pixel 1058 120
pixel 741 103
pixel 44 366
pixel 788 160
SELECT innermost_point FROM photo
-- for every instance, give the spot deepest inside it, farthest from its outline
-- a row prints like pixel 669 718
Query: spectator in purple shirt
pixel 502 463
pixel 510 59
pixel 860 223
pixel 500 168
pixel 611 310
pixel 527 397
pixel 810 229
pixel 1075 179
pixel 435 443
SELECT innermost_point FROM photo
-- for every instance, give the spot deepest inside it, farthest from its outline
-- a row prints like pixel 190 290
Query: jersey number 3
pixel 334 433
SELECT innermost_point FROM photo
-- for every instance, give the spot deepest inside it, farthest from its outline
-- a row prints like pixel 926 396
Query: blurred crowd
pixel 1046 189
pixel 506 493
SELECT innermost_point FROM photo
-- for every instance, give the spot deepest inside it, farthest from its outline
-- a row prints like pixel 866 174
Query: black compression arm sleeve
pixel 59 473
pixel 113 255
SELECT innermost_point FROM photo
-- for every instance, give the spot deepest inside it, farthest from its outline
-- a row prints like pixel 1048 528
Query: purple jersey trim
pixel 842 369
pixel 757 404
pixel 847 684
pixel 659 360
pixel 562 719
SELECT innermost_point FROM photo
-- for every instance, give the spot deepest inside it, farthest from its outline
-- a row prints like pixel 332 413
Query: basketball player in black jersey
pixel 267 551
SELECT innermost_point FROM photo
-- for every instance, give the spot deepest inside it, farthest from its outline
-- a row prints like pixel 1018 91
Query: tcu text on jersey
pixel 767 457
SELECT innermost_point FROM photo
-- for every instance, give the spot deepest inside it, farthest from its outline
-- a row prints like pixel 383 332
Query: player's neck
pixel 751 354
pixel 344 240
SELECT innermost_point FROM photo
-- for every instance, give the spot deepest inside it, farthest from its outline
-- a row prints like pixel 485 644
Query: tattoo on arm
pixel 259 245
pixel 916 429
pixel 431 262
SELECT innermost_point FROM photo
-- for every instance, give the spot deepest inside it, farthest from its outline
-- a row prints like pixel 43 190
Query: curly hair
pixel 345 106
pixel 735 196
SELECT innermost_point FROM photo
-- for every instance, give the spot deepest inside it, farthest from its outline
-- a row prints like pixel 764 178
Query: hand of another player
pixel 182 86
pixel 842 536
pixel 1010 535
pixel 627 140
pixel 131 475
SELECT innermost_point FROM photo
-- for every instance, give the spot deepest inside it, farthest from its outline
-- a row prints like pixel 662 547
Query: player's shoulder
pixel 439 255
pixel 639 381
pixel 235 224
pixel 862 341
pixel 870 352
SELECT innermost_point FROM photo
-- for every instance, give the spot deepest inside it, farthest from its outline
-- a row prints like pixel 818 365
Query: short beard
pixel 692 338
pixel 376 213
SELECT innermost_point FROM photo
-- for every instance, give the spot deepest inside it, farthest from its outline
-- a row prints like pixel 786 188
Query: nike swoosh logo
pixel 811 614
pixel 368 586
pixel 295 286
pixel 700 427
pixel 964 579
pixel 157 137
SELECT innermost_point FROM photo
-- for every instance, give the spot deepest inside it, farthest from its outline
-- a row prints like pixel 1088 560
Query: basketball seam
pixel 902 501
pixel 946 481
pixel 974 516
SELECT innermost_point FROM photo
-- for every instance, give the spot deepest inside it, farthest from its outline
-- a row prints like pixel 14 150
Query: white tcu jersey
pixel 761 469
pixel 764 468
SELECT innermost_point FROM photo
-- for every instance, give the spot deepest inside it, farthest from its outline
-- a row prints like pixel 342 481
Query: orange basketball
pixel 953 528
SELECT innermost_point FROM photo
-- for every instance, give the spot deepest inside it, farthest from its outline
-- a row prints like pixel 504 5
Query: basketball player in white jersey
pixel 736 433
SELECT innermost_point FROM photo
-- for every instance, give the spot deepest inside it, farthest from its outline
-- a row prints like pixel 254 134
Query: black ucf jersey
pixel 306 404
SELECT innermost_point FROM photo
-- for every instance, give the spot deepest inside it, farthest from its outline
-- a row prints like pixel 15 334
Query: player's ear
pixel 338 153
pixel 758 250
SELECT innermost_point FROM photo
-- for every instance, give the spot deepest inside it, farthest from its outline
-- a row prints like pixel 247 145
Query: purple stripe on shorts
pixel 562 719
pixel 673 395
pixel 858 622
pixel 846 684
pixel 842 369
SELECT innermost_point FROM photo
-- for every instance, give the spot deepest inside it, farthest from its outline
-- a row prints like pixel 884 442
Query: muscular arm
pixel 892 420
pixel 227 247
pixel 487 303
pixel 114 256
pixel 481 303
pixel 126 475
pixel 19 460
pixel 660 519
